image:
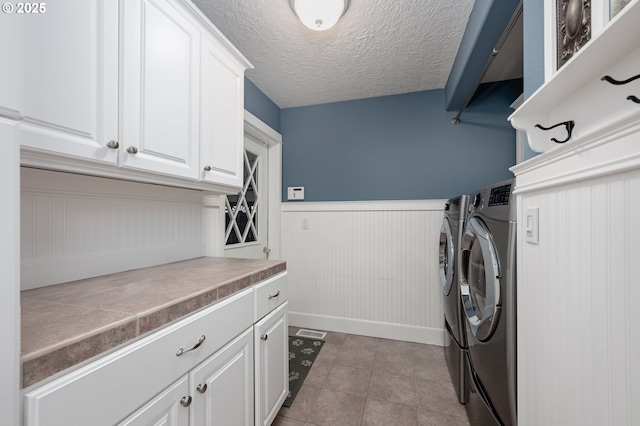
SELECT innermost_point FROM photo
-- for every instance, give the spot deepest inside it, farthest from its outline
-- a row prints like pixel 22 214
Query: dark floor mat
pixel 302 354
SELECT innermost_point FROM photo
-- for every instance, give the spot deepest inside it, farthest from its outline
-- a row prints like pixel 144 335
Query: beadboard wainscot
pixel 577 291
pixel 365 267
pixel 75 227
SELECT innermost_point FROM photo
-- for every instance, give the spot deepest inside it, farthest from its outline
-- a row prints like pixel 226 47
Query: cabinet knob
pixel 202 387
pixel 186 401
pixel 132 150
pixel 113 144
pixel 207 168
pixel 264 336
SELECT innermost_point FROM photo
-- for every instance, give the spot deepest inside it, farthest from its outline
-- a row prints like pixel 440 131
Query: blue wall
pixel 398 147
pixel 258 104
pixel 533 50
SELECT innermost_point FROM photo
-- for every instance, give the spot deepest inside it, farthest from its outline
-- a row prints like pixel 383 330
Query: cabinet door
pixel 167 409
pixel 222 386
pixel 160 85
pixel 272 364
pixel 67 95
pixel 222 119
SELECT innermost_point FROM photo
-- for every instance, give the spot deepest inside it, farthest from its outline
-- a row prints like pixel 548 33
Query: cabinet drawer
pixel 114 386
pixel 269 294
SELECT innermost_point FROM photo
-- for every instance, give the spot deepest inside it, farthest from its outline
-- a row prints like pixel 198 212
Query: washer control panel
pixel 500 195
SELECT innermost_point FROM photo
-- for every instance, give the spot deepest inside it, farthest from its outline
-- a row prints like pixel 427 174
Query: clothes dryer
pixel 450 236
pixel 487 273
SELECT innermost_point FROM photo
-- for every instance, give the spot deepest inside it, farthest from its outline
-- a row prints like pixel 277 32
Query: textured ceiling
pixel 378 48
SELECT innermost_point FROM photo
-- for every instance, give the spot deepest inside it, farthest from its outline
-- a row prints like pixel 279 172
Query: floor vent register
pixel 312 334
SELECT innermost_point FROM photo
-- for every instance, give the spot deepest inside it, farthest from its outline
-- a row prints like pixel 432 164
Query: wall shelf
pixel 578 93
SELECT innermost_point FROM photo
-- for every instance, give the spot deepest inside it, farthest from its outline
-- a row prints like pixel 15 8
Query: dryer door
pixel 446 254
pixel 479 279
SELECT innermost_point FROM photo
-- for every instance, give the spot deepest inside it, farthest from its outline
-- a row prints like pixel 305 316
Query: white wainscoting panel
pixel 578 295
pixel 75 227
pixel 365 267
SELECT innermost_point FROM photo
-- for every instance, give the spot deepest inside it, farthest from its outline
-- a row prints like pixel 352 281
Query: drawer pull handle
pixel 186 401
pixel 196 346
pixel 202 387
pixel 271 296
pixel 264 336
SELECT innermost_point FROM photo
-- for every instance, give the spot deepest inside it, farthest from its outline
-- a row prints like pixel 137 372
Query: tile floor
pixel 358 380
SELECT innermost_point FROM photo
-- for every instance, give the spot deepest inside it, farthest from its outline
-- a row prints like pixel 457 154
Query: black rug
pixel 302 354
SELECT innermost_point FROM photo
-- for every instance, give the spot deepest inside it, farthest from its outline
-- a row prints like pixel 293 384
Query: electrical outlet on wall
pixel 531 225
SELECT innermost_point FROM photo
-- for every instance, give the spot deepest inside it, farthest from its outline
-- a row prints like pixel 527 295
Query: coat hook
pixel 569 125
pixel 621 82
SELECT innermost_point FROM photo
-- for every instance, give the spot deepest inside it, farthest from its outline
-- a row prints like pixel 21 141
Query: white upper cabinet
pixel 160 85
pixel 142 90
pixel 69 92
pixel 222 118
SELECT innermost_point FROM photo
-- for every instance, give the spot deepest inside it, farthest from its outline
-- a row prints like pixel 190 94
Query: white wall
pixel 578 304
pixel 9 264
pixel 365 267
pixel 578 289
pixel 76 227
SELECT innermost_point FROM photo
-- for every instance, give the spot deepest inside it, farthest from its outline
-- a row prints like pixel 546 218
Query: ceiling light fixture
pixel 319 15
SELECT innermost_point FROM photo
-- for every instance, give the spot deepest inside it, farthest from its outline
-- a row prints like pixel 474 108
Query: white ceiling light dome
pixel 319 15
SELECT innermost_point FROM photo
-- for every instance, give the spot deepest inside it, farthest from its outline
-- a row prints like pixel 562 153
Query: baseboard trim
pixel 410 333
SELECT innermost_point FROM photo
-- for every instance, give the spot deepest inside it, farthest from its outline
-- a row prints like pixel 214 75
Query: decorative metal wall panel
pixel 574 28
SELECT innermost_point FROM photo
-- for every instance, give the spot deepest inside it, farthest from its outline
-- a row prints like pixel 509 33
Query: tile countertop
pixel 66 324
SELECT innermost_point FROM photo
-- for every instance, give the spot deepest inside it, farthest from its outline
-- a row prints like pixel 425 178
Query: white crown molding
pixel 383 205
pixel 255 127
pixel 615 151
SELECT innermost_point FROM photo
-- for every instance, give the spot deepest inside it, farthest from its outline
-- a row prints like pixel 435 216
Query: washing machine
pixel 450 236
pixel 487 275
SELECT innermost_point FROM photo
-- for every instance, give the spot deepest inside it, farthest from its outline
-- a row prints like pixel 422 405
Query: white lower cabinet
pixel 224 365
pixel 222 386
pixel 271 336
pixel 217 392
pixel 111 388
pixel 165 409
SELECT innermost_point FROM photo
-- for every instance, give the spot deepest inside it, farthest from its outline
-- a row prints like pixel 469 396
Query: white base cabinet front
pixel 271 336
pixel 222 386
pixel 218 392
pixel 113 387
pixel 165 409
pixel 237 373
